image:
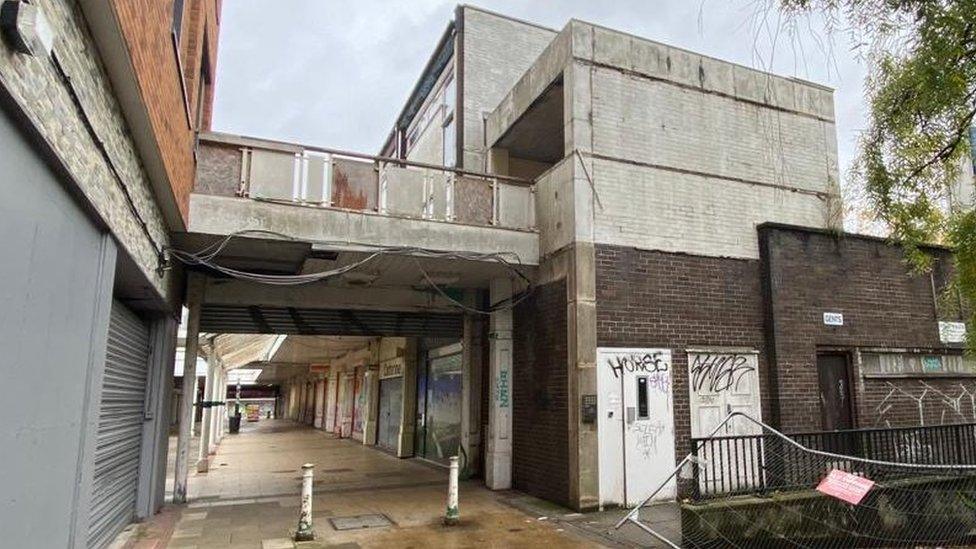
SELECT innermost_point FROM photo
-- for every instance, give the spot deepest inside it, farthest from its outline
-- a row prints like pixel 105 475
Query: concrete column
pixel 498 452
pixel 215 415
pixel 372 382
pixel 194 298
pixel 206 425
pixel 472 354
pixel 319 403
pixel 221 413
pixel 408 411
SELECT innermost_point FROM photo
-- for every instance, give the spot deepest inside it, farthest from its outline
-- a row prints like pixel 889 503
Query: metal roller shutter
pixel 120 424
pixel 237 319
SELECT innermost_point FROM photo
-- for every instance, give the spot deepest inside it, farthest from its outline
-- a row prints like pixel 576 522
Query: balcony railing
pixel 756 464
pixel 331 178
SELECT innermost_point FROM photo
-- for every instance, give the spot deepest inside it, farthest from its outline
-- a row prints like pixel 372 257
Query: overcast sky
pixel 336 73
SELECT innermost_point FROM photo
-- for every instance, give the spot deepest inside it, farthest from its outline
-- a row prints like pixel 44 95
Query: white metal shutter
pixel 120 424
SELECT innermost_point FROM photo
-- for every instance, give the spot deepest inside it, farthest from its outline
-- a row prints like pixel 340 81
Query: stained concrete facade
pixel 628 143
pixel 662 150
pixel 652 172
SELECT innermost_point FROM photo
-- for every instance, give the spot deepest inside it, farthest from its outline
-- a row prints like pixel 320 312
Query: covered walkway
pixel 250 498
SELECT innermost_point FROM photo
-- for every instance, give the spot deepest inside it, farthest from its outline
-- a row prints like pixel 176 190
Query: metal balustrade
pixel 760 463
pixel 332 178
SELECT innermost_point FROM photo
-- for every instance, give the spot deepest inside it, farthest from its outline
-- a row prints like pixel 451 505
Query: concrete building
pixel 671 227
pixel 577 251
pixel 100 102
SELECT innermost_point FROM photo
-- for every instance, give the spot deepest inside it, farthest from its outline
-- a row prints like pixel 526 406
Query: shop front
pixel 439 404
pixel 391 403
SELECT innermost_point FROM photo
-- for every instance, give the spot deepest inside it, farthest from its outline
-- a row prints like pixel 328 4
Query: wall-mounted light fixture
pixel 25 28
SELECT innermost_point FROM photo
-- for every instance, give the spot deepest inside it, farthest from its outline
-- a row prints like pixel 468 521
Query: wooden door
pixel 836 404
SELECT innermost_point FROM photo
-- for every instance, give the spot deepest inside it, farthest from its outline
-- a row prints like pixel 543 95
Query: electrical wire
pixel 207 255
pixel 79 105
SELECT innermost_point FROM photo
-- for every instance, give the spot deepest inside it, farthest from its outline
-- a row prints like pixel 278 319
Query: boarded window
pixel 912 363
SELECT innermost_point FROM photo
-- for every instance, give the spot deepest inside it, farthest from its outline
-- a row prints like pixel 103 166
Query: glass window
pixel 450 144
pixel 443 433
pixel 642 411
pixel 449 96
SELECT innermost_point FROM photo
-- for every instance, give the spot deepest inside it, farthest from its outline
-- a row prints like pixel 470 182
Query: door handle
pixel 631 414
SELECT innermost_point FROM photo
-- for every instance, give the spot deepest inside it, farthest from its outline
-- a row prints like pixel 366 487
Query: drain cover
pixel 360 522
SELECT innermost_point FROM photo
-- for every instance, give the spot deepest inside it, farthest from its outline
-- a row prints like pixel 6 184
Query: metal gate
pixel 120 424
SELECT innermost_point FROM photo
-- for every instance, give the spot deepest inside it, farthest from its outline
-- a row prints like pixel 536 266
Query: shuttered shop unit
pixel 120 425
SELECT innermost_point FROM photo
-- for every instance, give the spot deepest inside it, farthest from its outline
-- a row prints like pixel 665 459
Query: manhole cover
pixel 359 522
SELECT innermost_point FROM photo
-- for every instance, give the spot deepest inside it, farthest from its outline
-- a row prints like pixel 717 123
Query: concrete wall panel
pixel 658 123
pixel 497 52
pixel 662 210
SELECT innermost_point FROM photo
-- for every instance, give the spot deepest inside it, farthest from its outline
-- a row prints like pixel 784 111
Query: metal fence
pixel 754 464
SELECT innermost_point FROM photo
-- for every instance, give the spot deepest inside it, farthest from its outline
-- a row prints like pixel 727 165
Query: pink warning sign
pixel 845 486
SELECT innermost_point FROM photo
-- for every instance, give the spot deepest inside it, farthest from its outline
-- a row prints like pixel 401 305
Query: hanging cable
pixel 207 255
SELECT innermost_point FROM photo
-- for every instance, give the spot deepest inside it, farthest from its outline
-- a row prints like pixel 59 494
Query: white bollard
pixel 305 532
pixel 453 515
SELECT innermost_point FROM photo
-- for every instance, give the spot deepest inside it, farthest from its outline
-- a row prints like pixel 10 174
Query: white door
pixel 722 382
pixel 640 381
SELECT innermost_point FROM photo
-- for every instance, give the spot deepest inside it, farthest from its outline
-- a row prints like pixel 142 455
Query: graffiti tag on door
pixel 646 363
pixel 715 373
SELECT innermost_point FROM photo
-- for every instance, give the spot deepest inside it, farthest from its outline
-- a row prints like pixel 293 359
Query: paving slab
pixel 251 499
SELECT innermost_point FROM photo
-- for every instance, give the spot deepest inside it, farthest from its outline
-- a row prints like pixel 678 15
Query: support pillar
pixel 471 386
pixel 206 426
pixel 221 411
pixel 372 382
pixel 498 454
pixel 319 403
pixel 408 410
pixel 194 299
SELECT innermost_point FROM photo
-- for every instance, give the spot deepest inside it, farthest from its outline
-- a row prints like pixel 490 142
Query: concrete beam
pixel 221 215
pixel 320 296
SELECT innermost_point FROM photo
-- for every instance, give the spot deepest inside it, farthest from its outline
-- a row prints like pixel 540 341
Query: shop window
pixel 450 145
pixel 916 364
pixel 177 19
pixel 449 96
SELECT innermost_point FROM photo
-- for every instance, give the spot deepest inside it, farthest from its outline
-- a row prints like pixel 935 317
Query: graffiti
pixel 646 435
pixel 718 373
pixel 660 382
pixel 647 363
pixel 951 407
pixel 503 397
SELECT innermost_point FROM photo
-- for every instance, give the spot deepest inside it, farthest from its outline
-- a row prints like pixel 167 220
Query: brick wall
pixel 678 301
pixel 540 444
pixel 146 26
pixel 35 86
pixel 884 306
pixel 198 48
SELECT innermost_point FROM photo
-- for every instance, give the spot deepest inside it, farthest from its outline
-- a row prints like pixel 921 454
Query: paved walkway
pixel 250 499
